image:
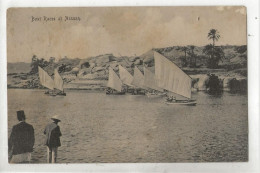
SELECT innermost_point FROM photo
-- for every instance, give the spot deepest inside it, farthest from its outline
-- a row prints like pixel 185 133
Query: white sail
pixel 45 79
pixel 171 77
pixel 125 76
pixel 138 80
pixel 150 80
pixel 113 80
pixel 58 81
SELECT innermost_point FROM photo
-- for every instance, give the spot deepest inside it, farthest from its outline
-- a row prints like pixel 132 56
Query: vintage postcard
pixel 127 84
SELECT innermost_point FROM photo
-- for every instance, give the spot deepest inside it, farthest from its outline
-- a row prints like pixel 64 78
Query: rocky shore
pixel 92 73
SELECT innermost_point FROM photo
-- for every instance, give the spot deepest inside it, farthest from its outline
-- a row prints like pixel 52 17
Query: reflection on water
pixel 101 128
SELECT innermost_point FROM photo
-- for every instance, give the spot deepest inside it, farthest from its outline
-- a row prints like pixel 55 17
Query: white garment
pixel 21 158
pixel 52 154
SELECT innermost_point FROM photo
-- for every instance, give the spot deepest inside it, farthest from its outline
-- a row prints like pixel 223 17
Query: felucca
pixel 138 82
pixel 126 79
pixel 171 78
pixel 58 83
pixel 114 84
pixel 151 83
pixel 51 84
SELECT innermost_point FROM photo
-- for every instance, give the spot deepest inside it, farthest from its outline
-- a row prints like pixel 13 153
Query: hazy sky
pixel 121 31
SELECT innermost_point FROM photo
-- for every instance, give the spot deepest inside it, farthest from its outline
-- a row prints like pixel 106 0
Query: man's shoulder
pixel 51 125
pixel 29 125
pixel 23 125
pixel 16 126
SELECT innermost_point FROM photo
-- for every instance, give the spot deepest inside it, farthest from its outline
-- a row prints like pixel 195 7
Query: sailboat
pixel 151 83
pixel 114 84
pixel 138 82
pixel 51 84
pixel 171 78
pixel 126 78
pixel 58 83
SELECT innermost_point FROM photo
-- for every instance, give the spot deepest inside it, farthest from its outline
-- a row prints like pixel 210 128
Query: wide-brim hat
pixel 56 118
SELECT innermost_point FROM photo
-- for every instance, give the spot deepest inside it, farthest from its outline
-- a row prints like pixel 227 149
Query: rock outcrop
pixel 96 69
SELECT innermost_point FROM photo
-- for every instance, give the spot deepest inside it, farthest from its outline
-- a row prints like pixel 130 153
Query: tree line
pixel 41 62
pixel 213 53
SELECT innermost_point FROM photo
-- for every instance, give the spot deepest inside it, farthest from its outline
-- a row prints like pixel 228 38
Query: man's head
pixel 20 115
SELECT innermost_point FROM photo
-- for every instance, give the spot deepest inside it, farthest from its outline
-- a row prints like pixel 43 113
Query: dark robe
pixel 21 139
pixel 52 132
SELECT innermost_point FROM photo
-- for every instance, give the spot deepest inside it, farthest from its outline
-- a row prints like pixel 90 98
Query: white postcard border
pixel 253 92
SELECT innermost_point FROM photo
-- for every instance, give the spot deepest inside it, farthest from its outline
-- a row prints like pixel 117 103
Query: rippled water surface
pixel 101 128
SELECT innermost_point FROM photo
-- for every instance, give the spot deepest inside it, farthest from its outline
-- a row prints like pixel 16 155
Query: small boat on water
pixel 126 79
pixel 187 103
pixel 172 79
pixel 58 83
pixel 55 87
pixel 150 82
pixel 138 83
pixel 114 85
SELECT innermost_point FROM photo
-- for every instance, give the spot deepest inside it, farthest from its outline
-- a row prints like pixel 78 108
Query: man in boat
pixel 109 91
pixel 21 141
pixel 53 134
pixel 134 92
pixel 171 99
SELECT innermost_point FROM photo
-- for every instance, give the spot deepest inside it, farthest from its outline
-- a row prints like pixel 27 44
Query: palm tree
pixel 184 49
pixel 213 35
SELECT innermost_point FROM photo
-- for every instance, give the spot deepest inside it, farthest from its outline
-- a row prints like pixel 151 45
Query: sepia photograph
pixel 127 84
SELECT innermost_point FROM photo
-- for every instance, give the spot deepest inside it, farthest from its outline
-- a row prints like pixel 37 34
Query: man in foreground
pixel 21 141
pixel 53 134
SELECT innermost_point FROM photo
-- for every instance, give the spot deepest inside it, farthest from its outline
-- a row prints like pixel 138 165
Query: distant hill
pixel 19 67
pixel 93 69
pixel 232 55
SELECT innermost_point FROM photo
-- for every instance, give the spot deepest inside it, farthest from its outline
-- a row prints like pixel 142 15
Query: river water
pixel 97 128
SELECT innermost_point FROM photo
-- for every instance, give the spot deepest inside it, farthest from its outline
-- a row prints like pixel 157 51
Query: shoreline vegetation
pixel 229 73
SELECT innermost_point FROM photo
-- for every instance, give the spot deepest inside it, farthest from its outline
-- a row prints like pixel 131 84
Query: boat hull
pixel 116 93
pixel 54 93
pixel 150 95
pixel 61 94
pixel 112 92
pixel 189 103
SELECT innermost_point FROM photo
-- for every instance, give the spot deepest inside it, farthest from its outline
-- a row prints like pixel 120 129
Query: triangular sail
pixel 150 80
pixel 125 76
pixel 45 79
pixel 138 80
pixel 113 81
pixel 171 77
pixel 58 81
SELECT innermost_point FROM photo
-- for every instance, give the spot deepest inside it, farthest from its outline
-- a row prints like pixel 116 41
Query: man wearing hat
pixel 21 141
pixel 53 134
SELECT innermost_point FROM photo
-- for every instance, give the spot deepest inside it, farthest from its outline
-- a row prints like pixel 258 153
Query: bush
pixel 241 49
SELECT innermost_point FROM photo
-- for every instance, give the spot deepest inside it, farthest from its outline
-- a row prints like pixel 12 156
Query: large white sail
pixel 113 80
pixel 45 79
pixel 171 77
pixel 125 76
pixel 150 80
pixel 58 81
pixel 138 80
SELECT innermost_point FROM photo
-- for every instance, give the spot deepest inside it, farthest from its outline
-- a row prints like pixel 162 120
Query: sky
pixel 122 31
